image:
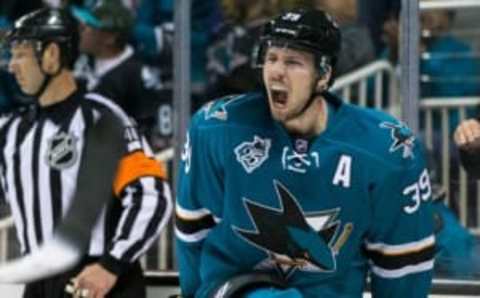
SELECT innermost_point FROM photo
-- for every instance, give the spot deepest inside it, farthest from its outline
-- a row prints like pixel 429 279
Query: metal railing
pixel 441 115
pixel 442 4
pixel 375 81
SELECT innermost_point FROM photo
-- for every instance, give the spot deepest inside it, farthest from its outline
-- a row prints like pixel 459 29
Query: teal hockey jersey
pixel 322 213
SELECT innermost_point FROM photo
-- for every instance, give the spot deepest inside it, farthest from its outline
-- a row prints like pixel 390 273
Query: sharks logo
pixel 292 239
pixel 402 138
pixel 218 109
pixel 251 155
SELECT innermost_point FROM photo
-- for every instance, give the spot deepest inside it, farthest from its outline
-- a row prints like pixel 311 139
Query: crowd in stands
pixel 126 49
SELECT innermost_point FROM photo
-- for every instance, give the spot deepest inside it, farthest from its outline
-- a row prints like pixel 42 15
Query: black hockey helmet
pixel 308 30
pixel 43 26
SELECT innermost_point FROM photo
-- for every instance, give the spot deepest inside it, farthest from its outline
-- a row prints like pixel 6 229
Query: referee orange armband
pixel 135 166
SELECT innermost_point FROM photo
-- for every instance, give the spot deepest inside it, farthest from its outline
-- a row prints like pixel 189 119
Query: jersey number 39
pixel 419 191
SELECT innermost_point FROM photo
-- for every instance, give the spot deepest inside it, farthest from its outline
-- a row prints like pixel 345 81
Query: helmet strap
pixel 313 94
pixel 47 77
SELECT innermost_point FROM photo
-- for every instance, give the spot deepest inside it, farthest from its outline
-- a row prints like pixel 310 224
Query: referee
pixel 41 154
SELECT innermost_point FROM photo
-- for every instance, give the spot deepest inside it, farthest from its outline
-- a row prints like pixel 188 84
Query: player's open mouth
pixel 279 97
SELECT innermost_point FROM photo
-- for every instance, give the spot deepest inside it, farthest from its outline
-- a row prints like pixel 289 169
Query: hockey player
pixel 294 193
pixel 45 147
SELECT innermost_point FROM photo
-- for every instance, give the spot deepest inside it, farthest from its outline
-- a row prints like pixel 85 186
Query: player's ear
pixel 51 58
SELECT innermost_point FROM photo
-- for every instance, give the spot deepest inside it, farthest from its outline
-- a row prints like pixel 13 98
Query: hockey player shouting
pixel 294 193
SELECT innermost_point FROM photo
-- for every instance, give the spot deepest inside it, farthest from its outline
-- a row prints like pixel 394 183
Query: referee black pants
pixel 131 284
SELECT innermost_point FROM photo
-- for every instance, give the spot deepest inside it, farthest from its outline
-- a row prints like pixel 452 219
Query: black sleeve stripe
pixel 36 187
pixel 190 227
pixel 152 227
pixel 392 262
pixel 133 213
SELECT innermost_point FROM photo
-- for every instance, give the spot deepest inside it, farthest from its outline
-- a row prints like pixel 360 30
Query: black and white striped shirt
pixel 40 155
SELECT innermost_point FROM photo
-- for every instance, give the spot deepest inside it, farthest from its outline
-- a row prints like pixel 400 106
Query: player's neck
pixel 312 121
pixel 59 89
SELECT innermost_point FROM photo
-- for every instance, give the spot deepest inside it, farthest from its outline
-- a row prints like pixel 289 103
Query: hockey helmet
pixel 43 26
pixel 314 31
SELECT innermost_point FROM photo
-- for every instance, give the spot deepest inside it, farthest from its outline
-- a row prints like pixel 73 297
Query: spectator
pixel 373 14
pixel 153 37
pixel 229 64
pixel 445 58
pixel 447 65
pixel 110 67
pixel 357 47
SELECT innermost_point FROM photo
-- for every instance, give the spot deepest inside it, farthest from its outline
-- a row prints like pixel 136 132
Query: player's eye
pixel 292 62
pixel 270 59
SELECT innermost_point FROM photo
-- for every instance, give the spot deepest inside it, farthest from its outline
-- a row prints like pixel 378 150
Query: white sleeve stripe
pixel 401 248
pixel 137 231
pixel 115 108
pixel 190 238
pixel 401 272
pixel 163 223
pixel 191 214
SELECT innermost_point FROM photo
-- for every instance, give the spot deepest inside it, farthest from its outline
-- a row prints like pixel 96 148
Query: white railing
pixel 375 81
pixel 452 4
pixel 439 112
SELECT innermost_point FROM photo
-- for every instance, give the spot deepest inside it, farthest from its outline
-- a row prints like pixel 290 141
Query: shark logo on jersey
pixel 292 239
pixel 251 155
pixel 218 109
pixel 402 138
pixel 62 151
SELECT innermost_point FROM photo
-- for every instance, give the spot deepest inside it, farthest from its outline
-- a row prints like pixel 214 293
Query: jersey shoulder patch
pixel 229 109
pixel 383 136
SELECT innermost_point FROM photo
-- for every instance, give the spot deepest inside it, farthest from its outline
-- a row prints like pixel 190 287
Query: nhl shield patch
pixel 251 155
pixel 62 151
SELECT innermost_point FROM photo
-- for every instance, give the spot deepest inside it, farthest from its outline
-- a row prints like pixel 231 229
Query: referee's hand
pixel 93 282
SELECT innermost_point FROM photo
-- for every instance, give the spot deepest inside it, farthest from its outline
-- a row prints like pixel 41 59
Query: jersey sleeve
pixel 401 242
pixel 199 200
pixel 143 195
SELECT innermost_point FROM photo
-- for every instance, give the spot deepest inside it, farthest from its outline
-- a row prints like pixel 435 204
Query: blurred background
pixel 143 36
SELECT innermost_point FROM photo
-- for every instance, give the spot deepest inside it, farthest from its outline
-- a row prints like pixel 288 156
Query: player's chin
pixel 28 91
pixel 279 115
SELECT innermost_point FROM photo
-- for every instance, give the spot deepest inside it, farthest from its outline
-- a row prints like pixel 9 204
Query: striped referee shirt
pixel 40 156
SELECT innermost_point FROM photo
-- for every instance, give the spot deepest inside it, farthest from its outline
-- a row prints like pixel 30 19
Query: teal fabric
pixel 274 293
pixel 255 197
